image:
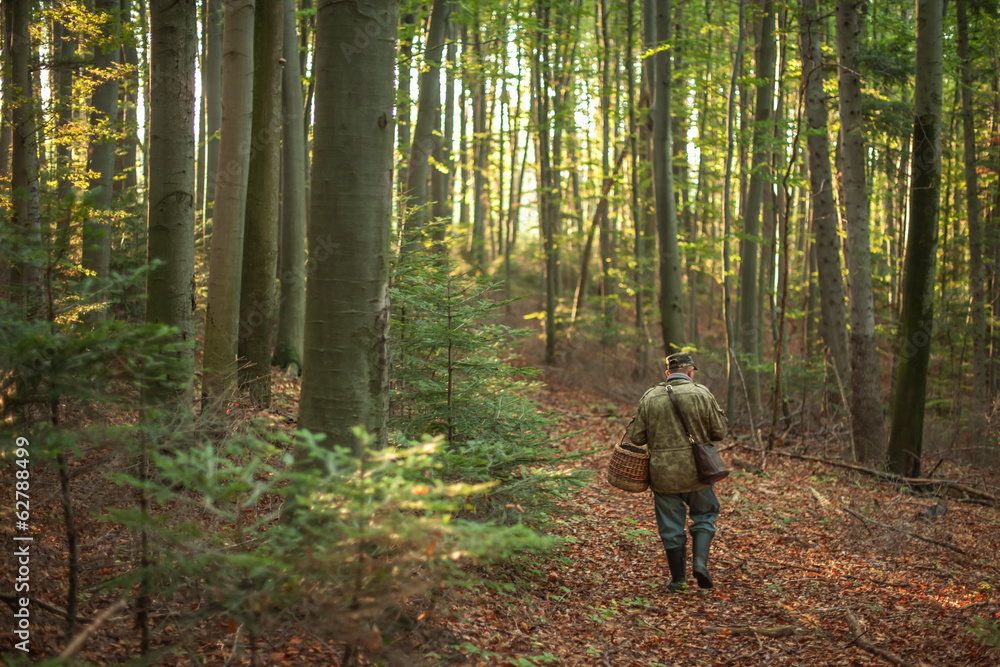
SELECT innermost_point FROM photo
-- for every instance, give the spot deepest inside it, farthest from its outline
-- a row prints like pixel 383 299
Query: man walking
pixel 673 476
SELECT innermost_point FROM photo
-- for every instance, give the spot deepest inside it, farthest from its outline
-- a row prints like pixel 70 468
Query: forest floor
pixel 804 550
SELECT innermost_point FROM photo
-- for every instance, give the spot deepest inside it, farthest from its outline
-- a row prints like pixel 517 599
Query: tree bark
pixel 980 370
pixel 291 262
pixel 222 319
pixel 824 223
pixel 101 165
pixel 170 194
pixel 917 317
pixel 748 317
pixel 428 111
pixel 345 378
pixel 26 284
pixel 866 381
pixel 671 290
pixel 211 83
pixel 126 163
pixel 260 243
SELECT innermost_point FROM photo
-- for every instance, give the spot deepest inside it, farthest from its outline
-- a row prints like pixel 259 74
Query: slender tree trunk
pixel 541 73
pixel 980 370
pixel 211 82
pixel 748 317
pixel 345 381
pixel 866 381
pixel 101 165
pixel 917 318
pixel 291 262
pixel 126 164
pixel 222 320
pixel 480 149
pixel 831 282
pixel 428 112
pixel 170 196
pixel 403 106
pixel 26 283
pixel 727 216
pixel 64 44
pixel 260 243
pixel 671 290
pixel 607 281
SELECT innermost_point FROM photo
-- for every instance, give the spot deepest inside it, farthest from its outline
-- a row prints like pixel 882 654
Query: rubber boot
pixel 676 560
pixel 700 542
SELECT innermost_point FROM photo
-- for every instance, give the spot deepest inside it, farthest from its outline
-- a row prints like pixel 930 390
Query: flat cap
pixel 680 360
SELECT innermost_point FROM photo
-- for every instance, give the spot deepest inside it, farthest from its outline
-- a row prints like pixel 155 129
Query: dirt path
pixel 787 561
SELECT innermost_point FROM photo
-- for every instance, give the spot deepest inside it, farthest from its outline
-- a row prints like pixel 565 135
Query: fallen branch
pixel 888 476
pixel 773 631
pixel 904 532
pixel 859 639
pixel 80 639
pixel 13 600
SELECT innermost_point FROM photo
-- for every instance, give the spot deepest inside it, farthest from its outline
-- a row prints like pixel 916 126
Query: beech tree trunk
pixel 170 194
pixel 980 369
pixel 866 381
pixel 101 165
pixel 824 220
pixel 345 379
pixel 260 243
pixel 671 290
pixel 917 317
pixel 211 83
pixel 748 318
pixel 222 318
pixel 291 262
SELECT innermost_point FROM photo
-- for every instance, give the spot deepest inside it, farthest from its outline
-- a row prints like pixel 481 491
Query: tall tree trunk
pixel 260 243
pixel 866 381
pixel 126 164
pixel 541 73
pixel 64 44
pixel 824 224
pixel 101 165
pixel 222 319
pixel 291 262
pixel 727 217
pixel 748 320
pixel 671 290
pixel 26 284
pixel 607 281
pixel 428 112
pixel 917 318
pixel 170 196
pixel 980 370
pixel 346 374
pixel 211 83
pixel 480 149
pixel 403 106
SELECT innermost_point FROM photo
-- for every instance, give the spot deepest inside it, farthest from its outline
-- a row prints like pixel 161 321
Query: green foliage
pixel 361 534
pixel 453 377
pixel 986 631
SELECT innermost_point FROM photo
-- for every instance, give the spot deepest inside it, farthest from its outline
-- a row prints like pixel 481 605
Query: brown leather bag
pixel 707 460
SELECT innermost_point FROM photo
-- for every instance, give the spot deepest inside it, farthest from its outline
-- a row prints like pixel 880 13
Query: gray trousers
pixel 672 510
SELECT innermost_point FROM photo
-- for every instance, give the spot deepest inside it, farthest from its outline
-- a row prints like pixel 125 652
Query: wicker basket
pixel 628 468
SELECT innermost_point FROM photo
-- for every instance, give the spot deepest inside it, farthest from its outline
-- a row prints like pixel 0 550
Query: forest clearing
pixel 320 321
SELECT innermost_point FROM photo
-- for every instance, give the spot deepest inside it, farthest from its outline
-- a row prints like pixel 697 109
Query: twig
pixel 13 600
pixel 859 639
pixel 772 631
pixel 236 643
pixel 81 638
pixel 904 532
pixel 989 499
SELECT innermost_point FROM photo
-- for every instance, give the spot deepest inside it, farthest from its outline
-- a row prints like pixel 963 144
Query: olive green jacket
pixel 671 464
